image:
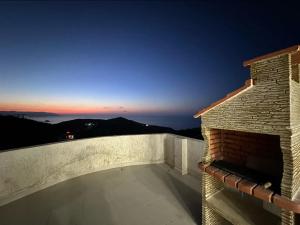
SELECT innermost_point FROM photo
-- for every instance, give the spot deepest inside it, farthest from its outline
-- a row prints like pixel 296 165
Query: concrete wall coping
pixel 24 171
pixel 82 139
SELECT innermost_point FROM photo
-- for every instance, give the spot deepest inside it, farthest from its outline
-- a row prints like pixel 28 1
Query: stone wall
pixel 27 170
pixel 264 108
pixel 295 123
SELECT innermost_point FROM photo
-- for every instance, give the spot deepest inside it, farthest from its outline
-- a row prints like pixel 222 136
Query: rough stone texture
pixel 264 108
pixel 209 187
pixel 270 106
pixel 295 127
pixel 28 170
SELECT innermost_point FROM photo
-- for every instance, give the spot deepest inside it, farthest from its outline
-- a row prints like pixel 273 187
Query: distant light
pixel 146 125
pixel 90 124
pixel 70 137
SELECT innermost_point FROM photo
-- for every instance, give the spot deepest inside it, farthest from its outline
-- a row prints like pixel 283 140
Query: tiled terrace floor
pixel 136 195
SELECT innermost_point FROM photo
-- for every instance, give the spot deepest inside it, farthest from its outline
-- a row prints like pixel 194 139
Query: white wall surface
pixel 183 154
pixel 27 170
pixel 194 155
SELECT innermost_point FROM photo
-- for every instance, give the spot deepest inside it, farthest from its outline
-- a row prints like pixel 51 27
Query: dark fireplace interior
pixel 252 156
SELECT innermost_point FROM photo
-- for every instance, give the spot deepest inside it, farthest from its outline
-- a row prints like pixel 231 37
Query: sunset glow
pixel 81 108
pixel 115 57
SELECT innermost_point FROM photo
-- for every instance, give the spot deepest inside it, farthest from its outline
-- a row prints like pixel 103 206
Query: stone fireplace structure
pixel 251 162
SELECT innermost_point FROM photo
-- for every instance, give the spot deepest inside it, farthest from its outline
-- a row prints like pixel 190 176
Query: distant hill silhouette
pixel 28 114
pixel 16 132
pixel 20 132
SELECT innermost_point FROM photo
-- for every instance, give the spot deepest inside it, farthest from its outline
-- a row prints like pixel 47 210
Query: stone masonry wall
pixel 295 124
pixel 209 185
pixel 265 109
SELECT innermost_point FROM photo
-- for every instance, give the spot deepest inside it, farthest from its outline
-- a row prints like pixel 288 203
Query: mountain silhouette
pixel 20 132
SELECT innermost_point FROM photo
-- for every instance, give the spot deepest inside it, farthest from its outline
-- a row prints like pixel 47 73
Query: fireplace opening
pixel 251 156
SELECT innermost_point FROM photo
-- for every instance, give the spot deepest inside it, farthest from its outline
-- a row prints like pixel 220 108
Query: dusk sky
pixel 146 57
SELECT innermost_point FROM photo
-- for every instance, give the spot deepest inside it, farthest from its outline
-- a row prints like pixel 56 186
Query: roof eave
pixel 248 84
pixel 289 50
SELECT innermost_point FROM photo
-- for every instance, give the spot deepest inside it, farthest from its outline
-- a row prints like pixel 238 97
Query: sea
pixel 173 121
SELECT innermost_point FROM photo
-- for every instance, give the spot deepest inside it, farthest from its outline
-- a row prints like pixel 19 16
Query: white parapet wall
pixel 183 154
pixel 27 170
pixel 180 152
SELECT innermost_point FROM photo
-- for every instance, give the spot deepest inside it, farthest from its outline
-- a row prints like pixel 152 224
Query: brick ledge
pixel 250 188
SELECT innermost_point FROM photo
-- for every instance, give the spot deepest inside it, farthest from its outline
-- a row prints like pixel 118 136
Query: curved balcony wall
pixel 27 170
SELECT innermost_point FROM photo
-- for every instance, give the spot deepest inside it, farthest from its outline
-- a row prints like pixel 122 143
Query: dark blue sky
pixel 147 57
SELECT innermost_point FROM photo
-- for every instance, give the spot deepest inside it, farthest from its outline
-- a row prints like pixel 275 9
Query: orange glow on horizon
pixel 74 109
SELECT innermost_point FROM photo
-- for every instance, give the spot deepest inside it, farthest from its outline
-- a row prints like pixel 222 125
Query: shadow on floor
pixel 190 199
